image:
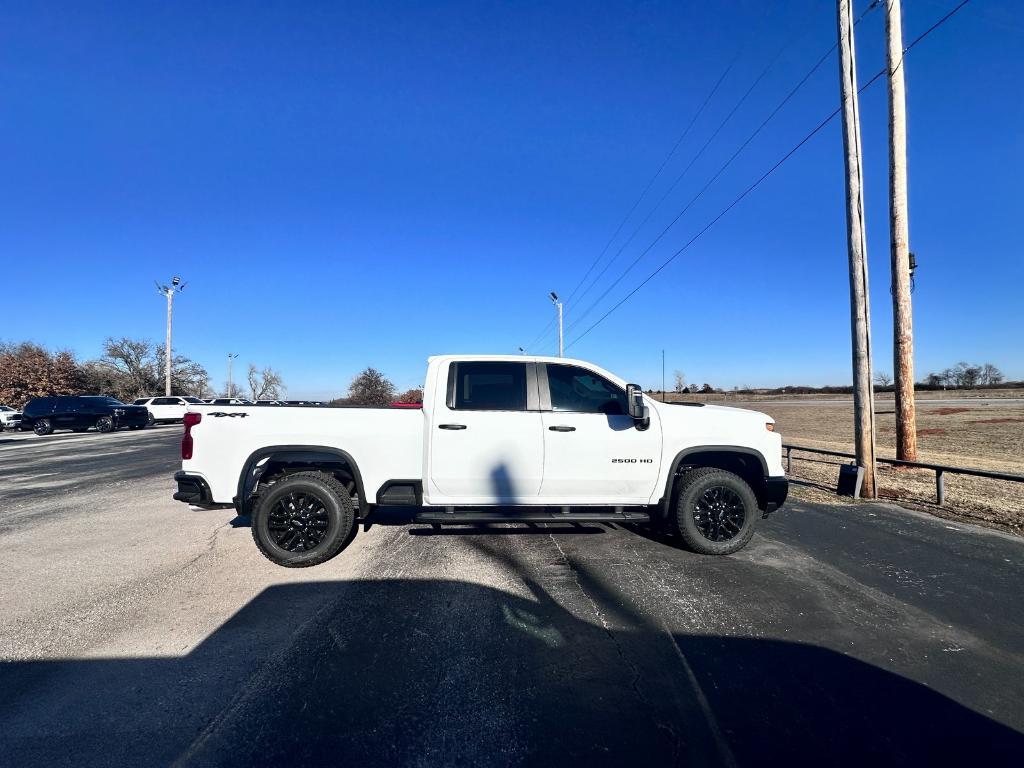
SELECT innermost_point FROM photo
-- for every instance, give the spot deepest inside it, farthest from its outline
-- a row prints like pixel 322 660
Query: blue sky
pixel 346 184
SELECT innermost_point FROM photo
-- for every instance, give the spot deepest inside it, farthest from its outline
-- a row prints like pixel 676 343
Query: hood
pixel 696 415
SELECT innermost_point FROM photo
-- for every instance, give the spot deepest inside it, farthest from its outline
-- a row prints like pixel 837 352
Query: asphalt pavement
pixel 136 631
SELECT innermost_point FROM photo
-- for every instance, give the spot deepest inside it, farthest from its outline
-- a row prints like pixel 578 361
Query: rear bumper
pixel 776 489
pixel 192 489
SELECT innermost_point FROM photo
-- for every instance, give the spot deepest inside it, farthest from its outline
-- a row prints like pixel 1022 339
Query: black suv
pixel 79 412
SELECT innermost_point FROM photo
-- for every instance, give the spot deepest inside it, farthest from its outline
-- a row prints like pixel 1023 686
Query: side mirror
pixel 637 409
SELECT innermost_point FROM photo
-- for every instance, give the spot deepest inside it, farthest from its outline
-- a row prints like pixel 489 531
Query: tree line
pixel 126 369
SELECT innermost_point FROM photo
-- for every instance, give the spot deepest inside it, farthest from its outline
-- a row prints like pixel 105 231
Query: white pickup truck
pixel 498 438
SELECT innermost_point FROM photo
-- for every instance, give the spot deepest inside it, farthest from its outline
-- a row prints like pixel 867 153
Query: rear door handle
pixel 451 426
pixel 562 428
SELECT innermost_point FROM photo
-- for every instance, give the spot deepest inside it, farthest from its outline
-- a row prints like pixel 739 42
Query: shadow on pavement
pixel 398 672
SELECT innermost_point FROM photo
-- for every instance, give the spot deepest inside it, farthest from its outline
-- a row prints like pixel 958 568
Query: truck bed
pixel 387 438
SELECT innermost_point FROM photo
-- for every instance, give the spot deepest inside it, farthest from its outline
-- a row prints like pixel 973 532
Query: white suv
pixel 9 418
pixel 167 409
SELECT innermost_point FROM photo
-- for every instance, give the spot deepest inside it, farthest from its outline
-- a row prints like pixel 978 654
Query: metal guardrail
pixel 940 470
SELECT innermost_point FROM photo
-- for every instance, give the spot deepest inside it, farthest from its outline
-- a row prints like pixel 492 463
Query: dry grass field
pixel 980 435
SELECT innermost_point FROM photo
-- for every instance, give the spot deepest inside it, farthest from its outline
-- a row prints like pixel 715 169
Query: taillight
pixel 191 419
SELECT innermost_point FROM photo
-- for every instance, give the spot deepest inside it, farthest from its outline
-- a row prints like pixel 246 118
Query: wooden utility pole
pixel 860 314
pixel 899 241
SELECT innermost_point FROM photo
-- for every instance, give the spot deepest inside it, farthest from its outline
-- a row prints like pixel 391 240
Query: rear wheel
pixel 715 511
pixel 104 424
pixel 305 519
pixel 42 427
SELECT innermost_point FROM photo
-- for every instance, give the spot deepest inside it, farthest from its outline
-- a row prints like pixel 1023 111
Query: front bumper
pixel 192 489
pixel 776 489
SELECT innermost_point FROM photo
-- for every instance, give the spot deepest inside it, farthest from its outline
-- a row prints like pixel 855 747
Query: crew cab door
pixel 486 443
pixel 593 451
pixel 68 414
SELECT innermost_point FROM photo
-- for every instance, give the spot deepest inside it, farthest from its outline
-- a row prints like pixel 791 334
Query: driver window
pixel 578 390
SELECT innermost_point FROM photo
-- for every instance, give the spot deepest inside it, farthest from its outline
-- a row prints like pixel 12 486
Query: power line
pixel 671 153
pixel 718 173
pixel 760 180
pixel 696 115
pixel 685 170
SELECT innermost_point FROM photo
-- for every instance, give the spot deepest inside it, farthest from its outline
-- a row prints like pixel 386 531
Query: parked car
pixel 78 413
pixel 231 401
pixel 167 409
pixel 498 438
pixel 9 418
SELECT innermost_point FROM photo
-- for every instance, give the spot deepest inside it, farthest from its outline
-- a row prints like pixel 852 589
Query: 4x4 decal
pixel 218 414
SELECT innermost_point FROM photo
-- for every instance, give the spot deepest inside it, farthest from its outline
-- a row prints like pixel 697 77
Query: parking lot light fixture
pixel 176 286
pixel 230 358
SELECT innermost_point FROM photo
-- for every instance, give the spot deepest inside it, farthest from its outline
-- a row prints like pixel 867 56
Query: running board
pixel 474 516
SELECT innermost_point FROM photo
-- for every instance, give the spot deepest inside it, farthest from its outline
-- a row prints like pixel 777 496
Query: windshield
pixel 5 408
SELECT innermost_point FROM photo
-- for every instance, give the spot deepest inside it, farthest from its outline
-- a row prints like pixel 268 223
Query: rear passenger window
pixel 489 386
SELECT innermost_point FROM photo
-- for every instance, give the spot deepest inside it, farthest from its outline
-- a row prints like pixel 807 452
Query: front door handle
pixel 562 428
pixel 451 426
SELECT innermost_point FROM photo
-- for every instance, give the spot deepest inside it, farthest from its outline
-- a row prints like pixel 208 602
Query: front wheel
pixel 104 424
pixel 305 519
pixel 42 427
pixel 715 511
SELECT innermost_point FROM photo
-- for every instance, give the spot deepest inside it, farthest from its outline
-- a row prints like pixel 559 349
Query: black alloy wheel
pixel 715 511
pixel 298 522
pixel 42 427
pixel 303 519
pixel 719 514
pixel 104 424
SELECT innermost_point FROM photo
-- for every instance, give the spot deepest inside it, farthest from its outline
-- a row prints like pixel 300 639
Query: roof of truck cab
pixel 514 359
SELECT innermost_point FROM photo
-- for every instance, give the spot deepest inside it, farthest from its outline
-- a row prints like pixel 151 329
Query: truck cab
pixel 498 438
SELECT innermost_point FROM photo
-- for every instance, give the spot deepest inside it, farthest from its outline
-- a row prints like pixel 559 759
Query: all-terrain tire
pixel 105 424
pixel 715 511
pixel 42 427
pixel 301 509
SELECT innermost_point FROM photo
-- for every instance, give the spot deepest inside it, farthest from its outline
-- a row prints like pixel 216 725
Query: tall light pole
pixel 230 358
pixel 561 338
pixel 176 286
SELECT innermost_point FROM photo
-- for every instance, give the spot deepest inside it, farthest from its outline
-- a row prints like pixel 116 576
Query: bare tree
pixel 371 387
pixel 883 379
pixel 990 375
pixel 680 379
pixel 265 384
pixel 127 368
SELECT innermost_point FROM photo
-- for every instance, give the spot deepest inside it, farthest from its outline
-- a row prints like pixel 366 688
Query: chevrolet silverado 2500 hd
pixel 499 438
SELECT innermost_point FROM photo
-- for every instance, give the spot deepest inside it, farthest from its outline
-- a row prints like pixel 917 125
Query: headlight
pixel 119 411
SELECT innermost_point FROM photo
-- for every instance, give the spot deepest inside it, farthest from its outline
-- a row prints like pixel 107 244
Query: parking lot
pixel 136 631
